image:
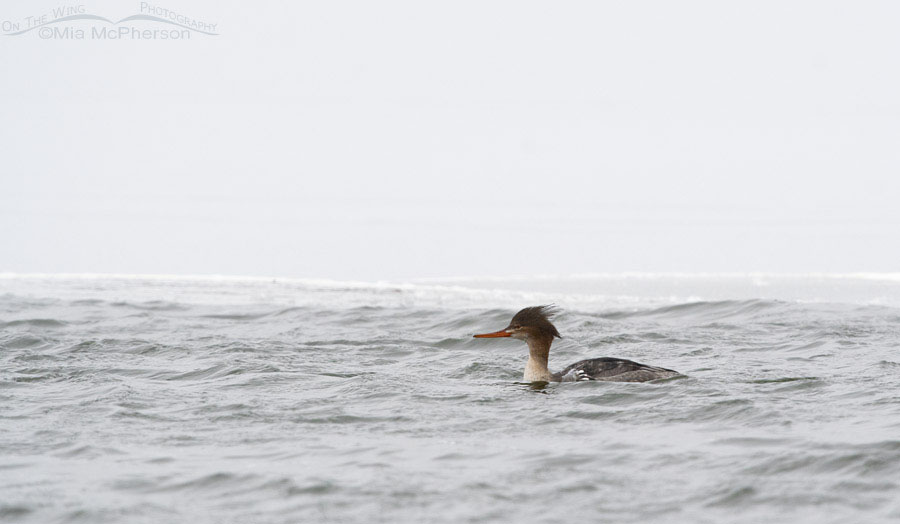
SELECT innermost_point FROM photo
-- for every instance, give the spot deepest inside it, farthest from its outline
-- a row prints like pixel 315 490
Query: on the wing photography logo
pixel 75 22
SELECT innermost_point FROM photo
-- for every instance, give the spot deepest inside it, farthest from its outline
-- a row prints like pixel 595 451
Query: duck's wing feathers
pixel 612 369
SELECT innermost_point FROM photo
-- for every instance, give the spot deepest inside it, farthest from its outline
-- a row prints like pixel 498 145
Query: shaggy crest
pixel 538 318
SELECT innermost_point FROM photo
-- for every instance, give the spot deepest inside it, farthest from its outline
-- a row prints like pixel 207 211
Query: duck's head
pixel 531 322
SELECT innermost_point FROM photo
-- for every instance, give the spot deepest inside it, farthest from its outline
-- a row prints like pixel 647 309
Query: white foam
pixel 586 292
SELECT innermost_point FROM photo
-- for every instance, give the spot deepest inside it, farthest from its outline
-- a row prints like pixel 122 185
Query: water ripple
pixel 259 401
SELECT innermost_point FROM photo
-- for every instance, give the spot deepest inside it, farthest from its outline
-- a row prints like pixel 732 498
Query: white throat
pixel 536 369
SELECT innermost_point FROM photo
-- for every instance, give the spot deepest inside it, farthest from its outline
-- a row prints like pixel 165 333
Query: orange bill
pixel 496 334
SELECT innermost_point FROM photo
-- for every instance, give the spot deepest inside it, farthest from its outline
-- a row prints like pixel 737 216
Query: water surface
pixel 163 399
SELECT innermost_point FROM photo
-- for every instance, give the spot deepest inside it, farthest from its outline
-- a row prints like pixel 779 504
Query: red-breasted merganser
pixel 533 325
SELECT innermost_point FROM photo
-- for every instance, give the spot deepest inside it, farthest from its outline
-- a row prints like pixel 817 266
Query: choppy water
pixel 126 399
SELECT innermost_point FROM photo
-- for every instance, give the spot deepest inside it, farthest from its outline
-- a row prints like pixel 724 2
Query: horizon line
pixel 637 275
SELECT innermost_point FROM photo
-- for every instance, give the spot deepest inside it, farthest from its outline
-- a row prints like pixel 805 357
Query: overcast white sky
pixel 390 140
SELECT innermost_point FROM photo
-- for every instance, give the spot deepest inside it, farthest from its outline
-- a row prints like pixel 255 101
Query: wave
pixel 34 322
pixel 591 292
pixel 709 310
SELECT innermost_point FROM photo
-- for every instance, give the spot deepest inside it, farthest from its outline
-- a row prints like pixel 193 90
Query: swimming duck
pixel 533 325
